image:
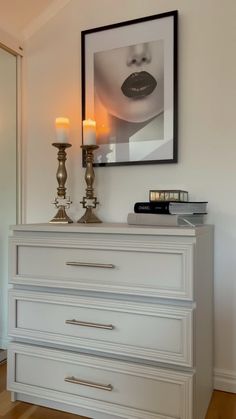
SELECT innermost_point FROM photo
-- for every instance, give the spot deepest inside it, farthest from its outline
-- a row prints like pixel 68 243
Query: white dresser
pixel 112 321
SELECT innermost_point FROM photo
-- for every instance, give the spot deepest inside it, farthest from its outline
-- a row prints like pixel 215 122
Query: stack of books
pixel 168 213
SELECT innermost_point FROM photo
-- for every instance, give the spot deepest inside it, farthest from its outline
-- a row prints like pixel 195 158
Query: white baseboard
pixel 225 380
pixel 3 355
pixel 4 342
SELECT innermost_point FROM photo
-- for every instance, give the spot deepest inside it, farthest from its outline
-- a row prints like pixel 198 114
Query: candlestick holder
pixel 61 202
pixel 89 200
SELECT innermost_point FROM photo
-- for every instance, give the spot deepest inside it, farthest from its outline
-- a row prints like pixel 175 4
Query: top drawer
pixel 137 268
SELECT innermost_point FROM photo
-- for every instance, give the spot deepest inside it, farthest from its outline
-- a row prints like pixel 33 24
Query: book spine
pixel 152 207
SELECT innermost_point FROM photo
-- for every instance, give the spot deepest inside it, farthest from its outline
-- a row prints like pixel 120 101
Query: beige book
pixel 165 219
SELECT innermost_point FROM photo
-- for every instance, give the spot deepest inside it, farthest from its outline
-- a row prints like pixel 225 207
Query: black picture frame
pixel 129 73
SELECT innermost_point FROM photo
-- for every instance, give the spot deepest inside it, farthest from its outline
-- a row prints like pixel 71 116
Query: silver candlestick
pixel 89 200
pixel 61 202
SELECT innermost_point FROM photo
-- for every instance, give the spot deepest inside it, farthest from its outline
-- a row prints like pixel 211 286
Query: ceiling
pixel 17 15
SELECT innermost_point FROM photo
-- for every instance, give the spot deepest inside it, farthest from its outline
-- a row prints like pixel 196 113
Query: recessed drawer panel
pixel 158 271
pixel 135 391
pixel 156 332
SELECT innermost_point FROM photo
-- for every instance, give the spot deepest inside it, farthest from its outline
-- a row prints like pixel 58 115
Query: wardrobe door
pixel 8 169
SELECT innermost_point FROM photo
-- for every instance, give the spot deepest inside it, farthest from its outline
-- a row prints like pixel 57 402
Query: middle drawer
pixel 154 332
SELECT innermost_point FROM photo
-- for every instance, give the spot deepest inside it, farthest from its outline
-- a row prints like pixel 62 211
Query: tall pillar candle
pixel 89 132
pixel 62 129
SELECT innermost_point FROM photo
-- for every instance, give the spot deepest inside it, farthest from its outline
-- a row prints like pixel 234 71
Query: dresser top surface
pixel 113 228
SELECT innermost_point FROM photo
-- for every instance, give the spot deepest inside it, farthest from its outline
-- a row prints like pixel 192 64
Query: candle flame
pixel 62 122
pixel 89 123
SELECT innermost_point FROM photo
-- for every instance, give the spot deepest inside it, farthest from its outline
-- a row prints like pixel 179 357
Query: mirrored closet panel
pixel 8 173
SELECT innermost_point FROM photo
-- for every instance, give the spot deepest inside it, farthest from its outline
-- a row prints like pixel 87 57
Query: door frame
pixel 14 47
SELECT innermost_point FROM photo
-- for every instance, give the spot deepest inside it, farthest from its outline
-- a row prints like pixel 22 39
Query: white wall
pixel 7 175
pixel 207 145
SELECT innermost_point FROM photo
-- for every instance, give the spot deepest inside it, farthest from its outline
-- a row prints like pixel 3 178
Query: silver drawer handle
pixel 88 324
pixel 74 380
pixel 91 265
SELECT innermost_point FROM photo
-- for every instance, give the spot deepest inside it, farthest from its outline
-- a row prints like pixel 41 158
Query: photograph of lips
pixel 139 85
pixel 129 87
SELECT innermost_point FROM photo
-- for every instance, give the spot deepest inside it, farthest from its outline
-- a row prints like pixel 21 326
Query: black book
pixel 171 207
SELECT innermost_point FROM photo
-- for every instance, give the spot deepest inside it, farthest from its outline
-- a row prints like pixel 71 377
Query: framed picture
pixel 129 87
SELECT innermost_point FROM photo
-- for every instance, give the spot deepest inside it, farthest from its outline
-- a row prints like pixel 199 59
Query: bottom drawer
pixel 123 389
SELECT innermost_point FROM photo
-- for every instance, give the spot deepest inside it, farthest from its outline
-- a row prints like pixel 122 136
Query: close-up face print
pixel 129 81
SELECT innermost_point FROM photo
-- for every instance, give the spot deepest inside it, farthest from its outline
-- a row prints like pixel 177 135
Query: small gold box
pixel 168 195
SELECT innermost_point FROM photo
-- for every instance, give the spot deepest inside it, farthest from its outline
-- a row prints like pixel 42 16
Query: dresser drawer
pixel 156 332
pixel 124 389
pixel 138 268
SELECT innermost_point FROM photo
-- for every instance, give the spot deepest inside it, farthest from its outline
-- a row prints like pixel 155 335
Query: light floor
pixel 223 406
